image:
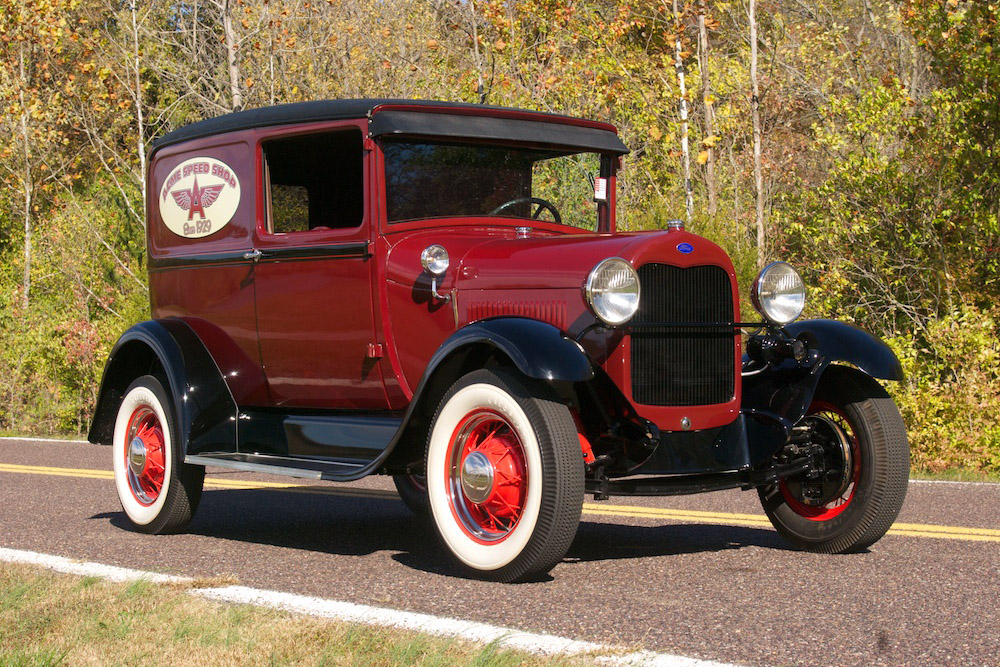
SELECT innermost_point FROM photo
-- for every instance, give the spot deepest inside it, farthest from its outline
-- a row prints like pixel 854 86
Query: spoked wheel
pixel 504 475
pixel 158 492
pixel 861 466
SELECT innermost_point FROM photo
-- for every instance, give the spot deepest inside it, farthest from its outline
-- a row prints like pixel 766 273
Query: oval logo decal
pixel 199 197
pixel 685 248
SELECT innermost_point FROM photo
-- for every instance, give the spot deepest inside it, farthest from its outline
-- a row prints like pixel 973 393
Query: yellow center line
pixel 594 509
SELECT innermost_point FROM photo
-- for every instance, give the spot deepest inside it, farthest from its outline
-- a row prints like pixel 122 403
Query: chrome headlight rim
pixel 792 297
pixel 596 294
pixel 434 258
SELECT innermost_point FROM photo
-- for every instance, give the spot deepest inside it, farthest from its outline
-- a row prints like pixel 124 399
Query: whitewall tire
pixel 504 475
pixel 158 492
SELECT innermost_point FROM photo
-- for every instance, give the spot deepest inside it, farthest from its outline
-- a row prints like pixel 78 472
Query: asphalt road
pixel 701 576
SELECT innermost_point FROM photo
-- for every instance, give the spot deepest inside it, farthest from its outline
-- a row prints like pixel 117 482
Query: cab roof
pixel 422 118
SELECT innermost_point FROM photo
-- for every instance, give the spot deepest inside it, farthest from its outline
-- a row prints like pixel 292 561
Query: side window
pixel 315 181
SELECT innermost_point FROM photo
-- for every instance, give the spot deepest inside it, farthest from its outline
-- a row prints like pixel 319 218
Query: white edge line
pixel 481 633
pixel 84 569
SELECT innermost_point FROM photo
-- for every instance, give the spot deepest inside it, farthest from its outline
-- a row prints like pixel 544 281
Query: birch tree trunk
pixel 26 179
pixel 711 185
pixel 232 63
pixel 758 173
pixel 140 121
pixel 685 148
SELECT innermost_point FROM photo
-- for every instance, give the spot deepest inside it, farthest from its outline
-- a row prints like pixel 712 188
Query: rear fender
pixel 205 410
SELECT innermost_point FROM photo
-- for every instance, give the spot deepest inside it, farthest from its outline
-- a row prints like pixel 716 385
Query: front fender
pixel 539 350
pixel 778 395
pixel 846 343
pixel 204 408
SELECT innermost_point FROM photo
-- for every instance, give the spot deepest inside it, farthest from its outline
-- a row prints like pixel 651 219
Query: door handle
pixel 253 254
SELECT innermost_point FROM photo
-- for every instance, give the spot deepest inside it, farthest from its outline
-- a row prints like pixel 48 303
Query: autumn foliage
pixel 879 134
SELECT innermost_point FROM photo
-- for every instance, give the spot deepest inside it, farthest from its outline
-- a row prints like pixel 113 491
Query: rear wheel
pixel 504 475
pixel 412 491
pixel 157 490
pixel 861 468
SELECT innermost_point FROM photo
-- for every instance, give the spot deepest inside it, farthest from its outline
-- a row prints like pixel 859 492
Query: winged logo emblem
pixel 197 198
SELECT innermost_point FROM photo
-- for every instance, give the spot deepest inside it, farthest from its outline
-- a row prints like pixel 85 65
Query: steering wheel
pixel 542 205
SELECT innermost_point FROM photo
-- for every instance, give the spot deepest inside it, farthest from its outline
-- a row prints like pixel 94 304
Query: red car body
pixel 331 349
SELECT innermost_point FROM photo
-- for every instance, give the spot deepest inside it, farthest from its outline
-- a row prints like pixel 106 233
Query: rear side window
pixel 315 181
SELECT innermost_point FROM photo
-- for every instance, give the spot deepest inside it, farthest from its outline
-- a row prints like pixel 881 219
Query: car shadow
pixel 611 541
pixel 359 526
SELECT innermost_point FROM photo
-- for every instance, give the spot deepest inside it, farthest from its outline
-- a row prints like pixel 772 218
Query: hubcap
pixel 477 477
pixel 137 456
pixel 487 475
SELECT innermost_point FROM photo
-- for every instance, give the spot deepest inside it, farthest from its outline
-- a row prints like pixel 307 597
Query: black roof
pixel 325 110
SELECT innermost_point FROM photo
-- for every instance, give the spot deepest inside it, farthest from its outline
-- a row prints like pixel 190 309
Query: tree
pixel 708 100
pixel 35 63
pixel 758 169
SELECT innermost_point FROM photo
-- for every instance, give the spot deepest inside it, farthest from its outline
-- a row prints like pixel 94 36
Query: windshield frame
pixel 604 222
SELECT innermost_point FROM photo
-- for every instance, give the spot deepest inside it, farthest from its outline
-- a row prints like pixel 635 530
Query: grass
pixel 54 619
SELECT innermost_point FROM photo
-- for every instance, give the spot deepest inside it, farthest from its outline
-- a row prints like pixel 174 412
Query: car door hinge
pixel 375 351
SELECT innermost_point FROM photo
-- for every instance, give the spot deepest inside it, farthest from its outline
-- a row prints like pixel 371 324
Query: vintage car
pixel 438 292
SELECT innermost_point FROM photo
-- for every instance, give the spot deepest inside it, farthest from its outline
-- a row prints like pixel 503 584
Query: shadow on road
pixel 359 526
pixel 608 541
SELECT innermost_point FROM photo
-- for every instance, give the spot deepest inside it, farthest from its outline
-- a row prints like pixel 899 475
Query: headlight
pixel 779 293
pixel 434 259
pixel 613 291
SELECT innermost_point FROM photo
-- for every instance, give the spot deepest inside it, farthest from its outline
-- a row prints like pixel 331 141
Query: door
pixel 314 272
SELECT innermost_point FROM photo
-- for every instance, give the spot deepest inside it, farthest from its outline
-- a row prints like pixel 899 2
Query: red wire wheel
pixel 144 456
pixel 504 475
pixel 157 490
pixel 488 476
pixel 843 462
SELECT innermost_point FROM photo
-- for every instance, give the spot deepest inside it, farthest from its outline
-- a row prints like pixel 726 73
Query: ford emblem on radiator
pixel 685 248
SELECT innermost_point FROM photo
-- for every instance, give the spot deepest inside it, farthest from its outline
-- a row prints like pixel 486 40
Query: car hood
pixel 560 262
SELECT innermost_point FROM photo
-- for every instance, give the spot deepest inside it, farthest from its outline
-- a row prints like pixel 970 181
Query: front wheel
pixel 157 490
pixel 861 468
pixel 504 475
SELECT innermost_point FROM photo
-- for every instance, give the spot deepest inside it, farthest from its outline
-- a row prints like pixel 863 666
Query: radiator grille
pixel 691 365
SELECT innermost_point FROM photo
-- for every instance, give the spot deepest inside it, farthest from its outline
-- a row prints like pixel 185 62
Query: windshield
pixel 433 180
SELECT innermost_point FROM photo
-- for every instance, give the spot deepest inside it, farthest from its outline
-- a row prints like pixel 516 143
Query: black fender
pixel 846 343
pixel 778 395
pixel 537 349
pixel 205 410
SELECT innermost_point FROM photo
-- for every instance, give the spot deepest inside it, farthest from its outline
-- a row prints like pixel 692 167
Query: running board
pixel 276 465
